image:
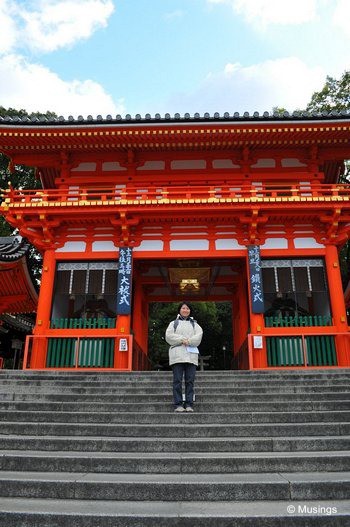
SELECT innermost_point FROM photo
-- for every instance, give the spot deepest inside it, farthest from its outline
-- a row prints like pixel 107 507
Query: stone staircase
pixel 102 449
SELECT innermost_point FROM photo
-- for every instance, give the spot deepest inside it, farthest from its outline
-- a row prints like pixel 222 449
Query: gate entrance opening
pixel 217 344
pixel 217 287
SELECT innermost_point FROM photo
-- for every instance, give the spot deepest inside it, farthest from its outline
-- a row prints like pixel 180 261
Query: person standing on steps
pixel 183 335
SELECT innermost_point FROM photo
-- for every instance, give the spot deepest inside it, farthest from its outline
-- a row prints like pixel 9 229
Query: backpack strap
pixel 176 323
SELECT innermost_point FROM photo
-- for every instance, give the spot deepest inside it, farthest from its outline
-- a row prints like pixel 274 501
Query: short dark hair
pixel 185 304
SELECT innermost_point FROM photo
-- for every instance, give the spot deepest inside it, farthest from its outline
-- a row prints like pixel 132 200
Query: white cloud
pixel 44 26
pixel 61 23
pixel 51 24
pixel 287 83
pixel 261 13
pixel 8 27
pixel 341 16
pixel 36 88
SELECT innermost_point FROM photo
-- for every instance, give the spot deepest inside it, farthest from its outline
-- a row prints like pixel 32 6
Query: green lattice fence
pixel 288 351
pixel 84 352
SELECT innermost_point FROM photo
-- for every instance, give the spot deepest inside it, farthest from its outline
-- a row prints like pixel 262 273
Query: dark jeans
pixel 179 371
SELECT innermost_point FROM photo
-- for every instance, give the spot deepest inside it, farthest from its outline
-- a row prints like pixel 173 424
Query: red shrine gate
pixel 139 211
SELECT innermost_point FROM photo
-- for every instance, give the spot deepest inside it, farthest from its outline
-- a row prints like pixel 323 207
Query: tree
pixel 335 95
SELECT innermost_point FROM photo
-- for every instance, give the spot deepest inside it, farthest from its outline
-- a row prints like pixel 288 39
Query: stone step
pixel 159 391
pixel 278 372
pixel 156 407
pixel 165 383
pixel 221 416
pixel 174 462
pixel 21 512
pixel 180 429
pixel 177 487
pixel 114 442
pixel 156 397
pixel 97 443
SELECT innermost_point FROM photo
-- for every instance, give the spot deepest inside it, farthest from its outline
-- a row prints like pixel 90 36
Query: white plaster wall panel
pixel 258 186
pixel 152 165
pixel 73 193
pixel 189 245
pixel 291 162
pixel 265 163
pixel 74 247
pixel 150 245
pixel 307 243
pixel 103 246
pixel 275 243
pixel 188 164
pixel 85 167
pixel 305 188
pixel 112 166
pixel 224 163
pixel 228 244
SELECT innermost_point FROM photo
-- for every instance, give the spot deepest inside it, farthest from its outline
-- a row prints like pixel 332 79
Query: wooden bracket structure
pixel 252 234
pixel 125 225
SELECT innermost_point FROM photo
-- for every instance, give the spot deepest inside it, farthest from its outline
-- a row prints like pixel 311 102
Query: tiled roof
pixel 18 293
pixel 19 322
pixel 13 248
pixel 178 118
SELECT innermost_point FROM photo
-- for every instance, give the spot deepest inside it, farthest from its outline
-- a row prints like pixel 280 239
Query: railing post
pixel 303 343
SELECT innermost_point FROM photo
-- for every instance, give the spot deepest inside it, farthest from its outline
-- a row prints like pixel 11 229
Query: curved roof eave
pixel 245 118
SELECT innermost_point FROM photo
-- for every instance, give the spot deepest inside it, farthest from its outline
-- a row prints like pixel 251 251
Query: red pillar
pixel 44 310
pixel 337 301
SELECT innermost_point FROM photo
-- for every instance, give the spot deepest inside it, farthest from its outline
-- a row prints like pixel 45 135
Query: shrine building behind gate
pixel 244 209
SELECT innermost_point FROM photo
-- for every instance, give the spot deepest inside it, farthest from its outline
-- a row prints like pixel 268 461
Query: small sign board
pixel 258 342
pixel 123 344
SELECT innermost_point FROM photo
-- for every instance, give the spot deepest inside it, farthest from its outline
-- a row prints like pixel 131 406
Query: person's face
pixel 185 311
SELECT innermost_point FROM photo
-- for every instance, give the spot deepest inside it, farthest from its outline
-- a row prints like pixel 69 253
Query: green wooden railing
pixel 80 352
pixel 289 351
pixel 84 352
pixel 298 321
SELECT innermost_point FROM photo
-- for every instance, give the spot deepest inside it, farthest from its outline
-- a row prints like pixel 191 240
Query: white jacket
pixel 185 330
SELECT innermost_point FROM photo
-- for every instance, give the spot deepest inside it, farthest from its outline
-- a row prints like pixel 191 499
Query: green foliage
pixel 214 318
pixel 278 111
pixel 11 112
pixel 335 95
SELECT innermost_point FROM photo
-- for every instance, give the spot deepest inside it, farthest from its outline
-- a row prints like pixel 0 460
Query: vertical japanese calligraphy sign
pixel 124 281
pixel 255 279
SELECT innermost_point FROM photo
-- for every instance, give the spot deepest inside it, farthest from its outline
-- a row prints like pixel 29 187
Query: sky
pixel 109 57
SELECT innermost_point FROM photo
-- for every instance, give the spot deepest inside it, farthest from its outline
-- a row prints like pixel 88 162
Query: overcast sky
pixel 91 57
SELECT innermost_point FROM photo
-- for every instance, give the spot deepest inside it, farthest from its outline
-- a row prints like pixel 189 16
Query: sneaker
pixel 179 409
pixel 189 409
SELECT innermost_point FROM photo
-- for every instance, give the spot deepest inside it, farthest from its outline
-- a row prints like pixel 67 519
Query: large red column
pixel 38 356
pixel 337 301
